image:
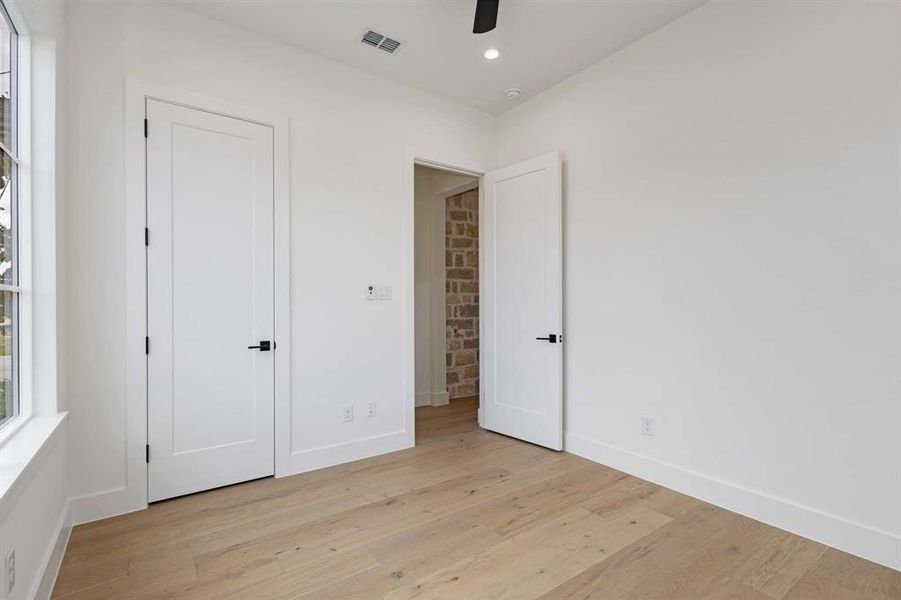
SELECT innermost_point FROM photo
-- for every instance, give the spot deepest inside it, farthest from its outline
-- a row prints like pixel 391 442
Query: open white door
pixel 210 294
pixel 522 301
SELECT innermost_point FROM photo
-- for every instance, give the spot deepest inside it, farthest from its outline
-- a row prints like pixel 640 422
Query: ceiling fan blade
pixel 486 16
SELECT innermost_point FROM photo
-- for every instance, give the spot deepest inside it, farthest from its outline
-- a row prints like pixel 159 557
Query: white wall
pixel 429 184
pixel 732 261
pixel 351 219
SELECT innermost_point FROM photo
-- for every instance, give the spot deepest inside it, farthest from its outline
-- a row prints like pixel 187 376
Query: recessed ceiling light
pixel 512 94
pixel 491 53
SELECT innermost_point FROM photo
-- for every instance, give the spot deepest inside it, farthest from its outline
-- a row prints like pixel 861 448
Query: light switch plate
pixel 384 292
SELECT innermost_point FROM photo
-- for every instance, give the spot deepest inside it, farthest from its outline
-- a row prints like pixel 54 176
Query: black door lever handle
pixel 264 346
pixel 551 337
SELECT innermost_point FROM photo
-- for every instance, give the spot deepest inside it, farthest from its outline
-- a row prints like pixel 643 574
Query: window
pixel 9 166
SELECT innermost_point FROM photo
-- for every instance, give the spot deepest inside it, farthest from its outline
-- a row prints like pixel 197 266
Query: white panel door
pixel 210 296
pixel 522 301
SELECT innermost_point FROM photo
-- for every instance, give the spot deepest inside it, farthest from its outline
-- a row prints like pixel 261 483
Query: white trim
pixel 444 166
pixel 440 398
pixel 432 399
pixel 437 297
pixel 42 588
pixel 102 505
pixel 133 495
pixel 463 187
pixel 482 354
pixel 344 452
pixel 872 544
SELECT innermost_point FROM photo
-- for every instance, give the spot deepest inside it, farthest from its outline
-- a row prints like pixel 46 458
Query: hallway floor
pixel 464 515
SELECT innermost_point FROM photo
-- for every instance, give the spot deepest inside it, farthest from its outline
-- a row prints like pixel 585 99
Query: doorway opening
pixel 446 301
pixel 488 300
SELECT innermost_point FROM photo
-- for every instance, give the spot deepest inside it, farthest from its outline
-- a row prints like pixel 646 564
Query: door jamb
pixel 133 493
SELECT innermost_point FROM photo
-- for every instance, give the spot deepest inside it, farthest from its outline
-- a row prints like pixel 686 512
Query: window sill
pixel 10 428
pixel 22 452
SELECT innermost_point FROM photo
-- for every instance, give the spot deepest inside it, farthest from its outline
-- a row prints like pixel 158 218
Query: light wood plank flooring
pixel 465 515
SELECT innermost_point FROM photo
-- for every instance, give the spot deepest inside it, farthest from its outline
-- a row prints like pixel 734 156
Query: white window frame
pixel 22 227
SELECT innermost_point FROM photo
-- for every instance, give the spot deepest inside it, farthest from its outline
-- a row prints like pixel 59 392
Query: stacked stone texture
pixel 462 294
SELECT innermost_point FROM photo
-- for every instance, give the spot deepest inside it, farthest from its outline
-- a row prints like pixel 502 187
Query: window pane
pixel 8 355
pixel 7 220
pixel 9 358
pixel 7 83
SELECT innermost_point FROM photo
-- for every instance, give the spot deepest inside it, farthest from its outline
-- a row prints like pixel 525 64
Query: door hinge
pixel 147 453
pixel 147 236
pixel 145 127
pixel 147 345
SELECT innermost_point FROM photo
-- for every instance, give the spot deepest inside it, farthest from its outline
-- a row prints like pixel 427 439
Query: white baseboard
pixel 53 558
pixel 432 399
pixel 872 544
pixel 102 505
pixel 336 454
pixel 119 501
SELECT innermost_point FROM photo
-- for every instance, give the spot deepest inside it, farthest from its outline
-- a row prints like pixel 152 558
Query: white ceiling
pixel 542 42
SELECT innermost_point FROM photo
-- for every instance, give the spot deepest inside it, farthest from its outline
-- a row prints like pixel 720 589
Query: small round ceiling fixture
pixel 491 53
pixel 512 94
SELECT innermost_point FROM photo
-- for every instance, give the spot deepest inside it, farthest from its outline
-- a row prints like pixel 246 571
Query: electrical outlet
pixel 348 413
pixel 647 426
pixel 10 571
pixel 370 410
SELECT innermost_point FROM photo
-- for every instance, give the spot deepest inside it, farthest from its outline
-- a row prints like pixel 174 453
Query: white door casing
pixel 210 295
pixel 522 299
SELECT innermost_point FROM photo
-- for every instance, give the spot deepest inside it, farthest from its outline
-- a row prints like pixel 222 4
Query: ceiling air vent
pixel 377 40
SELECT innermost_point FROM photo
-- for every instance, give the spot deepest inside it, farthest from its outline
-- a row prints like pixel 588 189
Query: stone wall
pixel 462 293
